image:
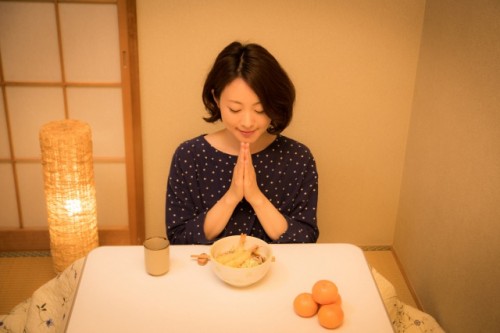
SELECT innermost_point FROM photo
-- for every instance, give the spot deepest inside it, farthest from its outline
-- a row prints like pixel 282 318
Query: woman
pixel 247 177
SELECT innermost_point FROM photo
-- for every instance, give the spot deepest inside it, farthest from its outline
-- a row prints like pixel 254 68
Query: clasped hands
pixel 244 185
pixel 244 182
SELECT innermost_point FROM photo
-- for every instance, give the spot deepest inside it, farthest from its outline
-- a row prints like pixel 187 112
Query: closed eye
pixel 232 110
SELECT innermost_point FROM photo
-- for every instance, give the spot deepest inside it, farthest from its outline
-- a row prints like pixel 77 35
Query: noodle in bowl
pixel 248 272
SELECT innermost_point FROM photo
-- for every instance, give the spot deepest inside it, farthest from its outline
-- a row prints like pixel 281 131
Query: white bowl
pixel 240 277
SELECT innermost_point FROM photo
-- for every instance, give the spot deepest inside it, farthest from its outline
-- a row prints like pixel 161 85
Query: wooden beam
pixel 39 239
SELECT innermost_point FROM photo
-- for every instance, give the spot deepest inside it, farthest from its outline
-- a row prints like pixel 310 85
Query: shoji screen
pixel 68 59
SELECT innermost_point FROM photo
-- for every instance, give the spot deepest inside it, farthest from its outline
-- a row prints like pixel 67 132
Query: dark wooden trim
pixel 132 118
pixel 39 239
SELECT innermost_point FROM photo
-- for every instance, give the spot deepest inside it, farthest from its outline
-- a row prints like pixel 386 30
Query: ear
pixel 215 98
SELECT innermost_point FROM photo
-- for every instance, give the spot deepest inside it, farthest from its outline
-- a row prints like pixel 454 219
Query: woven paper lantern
pixel 68 170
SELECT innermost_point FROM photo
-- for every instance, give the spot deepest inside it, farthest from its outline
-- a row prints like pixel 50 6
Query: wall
pixel 353 64
pixel 448 229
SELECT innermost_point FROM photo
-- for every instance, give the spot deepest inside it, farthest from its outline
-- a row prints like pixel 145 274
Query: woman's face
pixel 242 113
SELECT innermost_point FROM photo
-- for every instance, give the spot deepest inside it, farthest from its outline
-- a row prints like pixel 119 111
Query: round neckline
pixel 278 136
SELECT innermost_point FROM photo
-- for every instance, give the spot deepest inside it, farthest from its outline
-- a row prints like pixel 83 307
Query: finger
pixel 237 181
pixel 246 148
pixel 242 152
pixel 249 168
pixel 240 158
pixel 239 168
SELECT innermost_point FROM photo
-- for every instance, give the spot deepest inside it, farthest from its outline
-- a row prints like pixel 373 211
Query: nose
pixel 246 119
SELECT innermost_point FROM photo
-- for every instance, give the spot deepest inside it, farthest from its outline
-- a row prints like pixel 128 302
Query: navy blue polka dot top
pixel 200 175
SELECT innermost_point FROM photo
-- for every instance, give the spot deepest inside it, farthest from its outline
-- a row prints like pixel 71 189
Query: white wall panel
pixel 90 42
pixel 111 194
pixel 30 108
pixel 102 109
pixel 4 139
pixel 8 208
pixel 28 41
pixel 32 194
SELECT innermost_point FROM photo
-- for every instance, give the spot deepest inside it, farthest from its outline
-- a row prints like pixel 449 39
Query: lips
pixel 247 134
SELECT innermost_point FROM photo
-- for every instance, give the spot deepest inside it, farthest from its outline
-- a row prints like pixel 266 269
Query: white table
pixel 116 294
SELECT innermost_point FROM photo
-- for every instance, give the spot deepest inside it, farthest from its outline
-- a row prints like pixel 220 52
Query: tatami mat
pixel 21 276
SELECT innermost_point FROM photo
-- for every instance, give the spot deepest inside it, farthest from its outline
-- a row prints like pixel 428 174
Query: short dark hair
pixel 262 72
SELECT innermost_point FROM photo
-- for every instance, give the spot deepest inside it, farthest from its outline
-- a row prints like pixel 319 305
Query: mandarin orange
pixel 304 305
pixel 325 292
pixel 338 299
pixel 330 315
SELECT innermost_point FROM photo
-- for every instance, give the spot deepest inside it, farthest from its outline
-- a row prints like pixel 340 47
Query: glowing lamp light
pixel 66 147
pixel 73 207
